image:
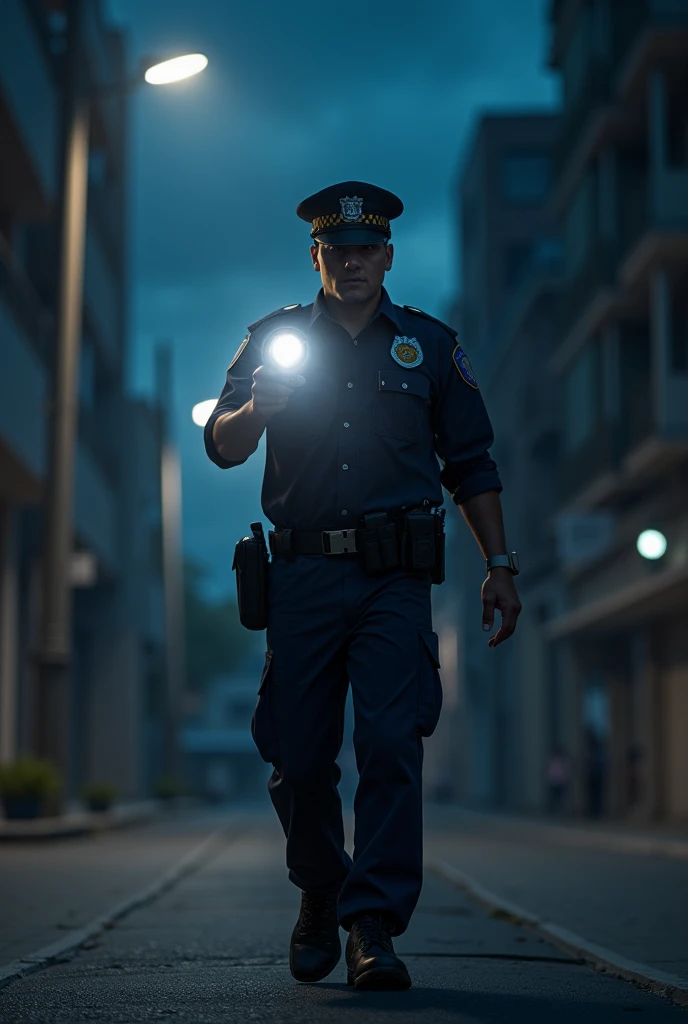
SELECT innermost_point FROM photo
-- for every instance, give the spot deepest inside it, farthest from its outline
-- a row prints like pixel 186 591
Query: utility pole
pixel 173 570
pixel 54 655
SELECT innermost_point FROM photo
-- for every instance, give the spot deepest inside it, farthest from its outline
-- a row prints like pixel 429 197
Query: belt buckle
pixel 339 542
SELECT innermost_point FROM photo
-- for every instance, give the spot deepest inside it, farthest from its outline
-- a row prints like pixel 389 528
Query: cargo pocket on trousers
pixel 262 725
pixel 429 684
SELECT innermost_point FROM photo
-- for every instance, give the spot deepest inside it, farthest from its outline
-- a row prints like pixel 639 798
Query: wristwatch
pixel 509 562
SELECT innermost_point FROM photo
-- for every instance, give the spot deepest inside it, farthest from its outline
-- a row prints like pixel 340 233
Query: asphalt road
pixel 214 949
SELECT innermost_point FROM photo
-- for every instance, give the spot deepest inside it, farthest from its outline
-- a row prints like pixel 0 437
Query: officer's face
pixel 352 273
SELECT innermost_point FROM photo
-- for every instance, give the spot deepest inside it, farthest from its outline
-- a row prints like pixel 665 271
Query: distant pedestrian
pixel 558 774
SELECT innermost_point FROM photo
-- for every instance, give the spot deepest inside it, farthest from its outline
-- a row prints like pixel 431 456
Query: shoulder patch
pixel 426 316
pixel 460 360
pixel 239 351
pixel 275 312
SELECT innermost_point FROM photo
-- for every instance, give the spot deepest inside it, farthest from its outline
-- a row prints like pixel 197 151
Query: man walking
pixel 353 487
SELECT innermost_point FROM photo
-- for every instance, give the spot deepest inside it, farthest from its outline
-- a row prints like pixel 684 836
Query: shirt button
pixel 355 341
pixel 345 466
pixel 346 424
pixel 344 512
pixel 349 385
pixel 404 386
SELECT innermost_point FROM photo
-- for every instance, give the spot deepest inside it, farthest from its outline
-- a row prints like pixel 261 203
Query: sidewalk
pixel 48 890
pixel 614 887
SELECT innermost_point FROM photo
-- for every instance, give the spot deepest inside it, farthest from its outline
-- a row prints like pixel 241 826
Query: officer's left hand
pixel 499 591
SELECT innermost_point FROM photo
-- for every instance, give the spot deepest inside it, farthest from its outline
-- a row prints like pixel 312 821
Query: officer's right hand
pixel 271 391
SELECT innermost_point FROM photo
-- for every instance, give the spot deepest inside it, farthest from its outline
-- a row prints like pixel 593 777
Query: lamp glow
pixel 286 350
pixel 176 69
pixel 652 544
pixel 200 413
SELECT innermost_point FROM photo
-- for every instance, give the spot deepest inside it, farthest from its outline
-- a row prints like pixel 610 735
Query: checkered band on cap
pixel 332 220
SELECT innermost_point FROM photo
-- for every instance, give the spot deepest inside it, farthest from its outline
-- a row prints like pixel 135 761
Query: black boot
pixel 370 959
pixel 315 947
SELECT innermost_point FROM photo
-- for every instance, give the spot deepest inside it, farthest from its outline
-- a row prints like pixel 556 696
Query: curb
pixel 661 983
pixel 78 823
pixel 64 949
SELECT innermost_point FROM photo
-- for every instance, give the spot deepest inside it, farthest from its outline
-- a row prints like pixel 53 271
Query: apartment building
pixel 118 628
pixel 512 265
pixel 620 193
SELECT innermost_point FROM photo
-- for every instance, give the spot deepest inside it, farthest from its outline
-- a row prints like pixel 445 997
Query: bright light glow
pixel 176 69
pixel 200 413
pixel 287 350
pixel 652 544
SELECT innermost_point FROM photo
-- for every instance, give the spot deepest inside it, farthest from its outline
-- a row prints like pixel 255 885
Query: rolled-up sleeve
pixel 235 394
pixel 463 436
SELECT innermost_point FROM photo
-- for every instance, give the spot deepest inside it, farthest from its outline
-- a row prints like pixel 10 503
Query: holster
pixel 251 566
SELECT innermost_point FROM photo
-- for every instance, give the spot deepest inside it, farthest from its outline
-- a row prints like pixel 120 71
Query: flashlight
pixel 285 350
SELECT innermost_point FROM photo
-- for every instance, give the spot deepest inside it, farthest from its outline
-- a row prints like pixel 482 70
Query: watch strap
pixel 509 562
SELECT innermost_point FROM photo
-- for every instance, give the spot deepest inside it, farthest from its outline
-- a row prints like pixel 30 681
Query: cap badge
pixel 352 207
pixel 462 364
pixel 407 352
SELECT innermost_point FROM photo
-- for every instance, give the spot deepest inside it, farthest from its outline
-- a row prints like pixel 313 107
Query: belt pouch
pixel 372 555
pixel 251 567
pixel 437 572
pixel 418 541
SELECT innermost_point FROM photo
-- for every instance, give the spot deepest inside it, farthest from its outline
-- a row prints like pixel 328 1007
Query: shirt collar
pixel 386 306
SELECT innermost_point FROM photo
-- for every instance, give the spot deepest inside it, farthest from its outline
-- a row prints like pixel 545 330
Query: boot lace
pixel 374 931
pixel 317 910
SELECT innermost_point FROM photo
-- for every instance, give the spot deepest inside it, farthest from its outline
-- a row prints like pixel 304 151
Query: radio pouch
pixel 418 541
pixel 251 567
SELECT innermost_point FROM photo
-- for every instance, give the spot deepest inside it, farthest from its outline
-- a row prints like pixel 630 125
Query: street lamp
pixel 651 544
pixel 54 653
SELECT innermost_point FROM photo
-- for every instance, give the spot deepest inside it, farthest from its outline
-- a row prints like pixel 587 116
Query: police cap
pixel 351 213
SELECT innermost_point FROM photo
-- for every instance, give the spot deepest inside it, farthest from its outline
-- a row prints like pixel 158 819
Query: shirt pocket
pixel 402 405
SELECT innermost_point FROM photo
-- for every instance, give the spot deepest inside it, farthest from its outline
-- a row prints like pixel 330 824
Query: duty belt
pixel 288 543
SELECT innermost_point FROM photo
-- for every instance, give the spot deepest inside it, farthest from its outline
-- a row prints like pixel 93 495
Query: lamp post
pixel 54 653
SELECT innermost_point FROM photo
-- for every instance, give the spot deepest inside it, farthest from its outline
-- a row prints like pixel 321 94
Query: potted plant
pixel 168 788
pixel 99 796
pixel 25 785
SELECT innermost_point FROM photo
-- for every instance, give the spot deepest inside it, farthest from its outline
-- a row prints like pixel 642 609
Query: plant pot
pixel 22 807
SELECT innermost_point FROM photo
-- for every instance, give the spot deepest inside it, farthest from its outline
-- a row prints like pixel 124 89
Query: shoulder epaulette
pixel 275 312
pixel 419 312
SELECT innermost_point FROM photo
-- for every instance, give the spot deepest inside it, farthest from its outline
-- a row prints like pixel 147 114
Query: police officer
pixel 353 439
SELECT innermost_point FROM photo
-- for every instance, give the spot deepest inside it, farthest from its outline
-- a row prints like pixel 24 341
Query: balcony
pixel 653 222
pixel 588 469
pixel 585 300
pixel 595 95
pixel 29 114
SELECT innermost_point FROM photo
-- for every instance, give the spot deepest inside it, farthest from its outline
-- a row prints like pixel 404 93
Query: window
pixel 525 177
pixel 580 224
pixel 679 332
pixel 516 260
pixel 582 398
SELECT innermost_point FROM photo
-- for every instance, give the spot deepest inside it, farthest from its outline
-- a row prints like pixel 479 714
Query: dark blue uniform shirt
pixel 364 434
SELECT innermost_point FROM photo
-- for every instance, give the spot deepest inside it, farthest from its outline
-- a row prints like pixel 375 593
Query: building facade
pixel 583 360
pixel 621 360
pixel 118 628
pixel 512 260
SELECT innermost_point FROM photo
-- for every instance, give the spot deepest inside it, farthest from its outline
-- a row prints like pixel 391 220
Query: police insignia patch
pixel 460 360
pixel 407 352
pixel 351 207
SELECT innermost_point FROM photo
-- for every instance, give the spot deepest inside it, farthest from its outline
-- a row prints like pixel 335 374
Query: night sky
pixel 297 95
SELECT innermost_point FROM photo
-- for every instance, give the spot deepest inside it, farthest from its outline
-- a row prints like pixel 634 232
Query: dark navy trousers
pixel 331 626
